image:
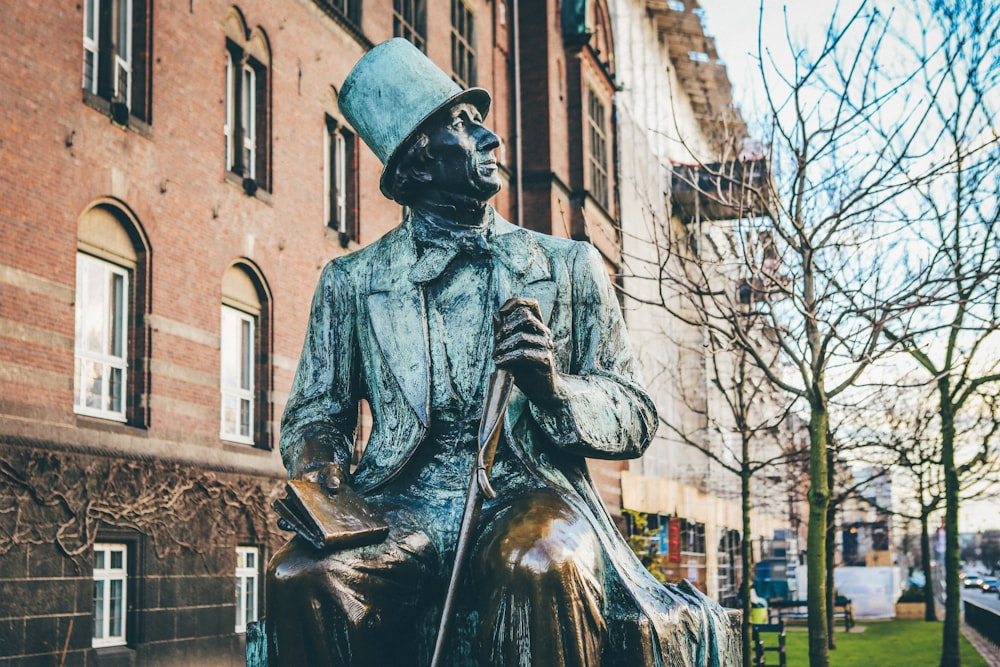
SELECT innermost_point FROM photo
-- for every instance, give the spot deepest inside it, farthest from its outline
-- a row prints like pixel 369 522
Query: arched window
pixel 340 171
pixel 111 342
pixel 244 368
pixel 248 105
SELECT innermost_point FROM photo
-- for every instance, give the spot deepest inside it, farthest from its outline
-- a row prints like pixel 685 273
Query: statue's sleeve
pixel 318 424
pixel 605 413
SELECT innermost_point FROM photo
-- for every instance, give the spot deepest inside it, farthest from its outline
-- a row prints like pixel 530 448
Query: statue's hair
pixel 411 171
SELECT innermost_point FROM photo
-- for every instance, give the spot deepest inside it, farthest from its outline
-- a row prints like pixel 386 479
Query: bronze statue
pixel 417 324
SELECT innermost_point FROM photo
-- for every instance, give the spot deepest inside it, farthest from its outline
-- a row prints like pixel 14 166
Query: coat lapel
pixel 397 313
pixel 397 308
pixel 527 273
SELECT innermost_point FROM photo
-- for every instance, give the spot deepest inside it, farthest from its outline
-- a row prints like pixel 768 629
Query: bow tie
pixel 440 242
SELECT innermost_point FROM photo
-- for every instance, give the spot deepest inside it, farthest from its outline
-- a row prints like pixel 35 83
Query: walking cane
pixel 490 427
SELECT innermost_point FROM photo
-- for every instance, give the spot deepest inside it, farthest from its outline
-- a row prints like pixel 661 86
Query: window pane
pixel 124 33
pixel 89 71
pixel 251 559
pixel 93 385
pixel 230 351
pixel 99 560
pixel 114 395
pixel 117 315
pixel 115 615
pixel 240 603
pixel 244 417
pixel 246 361
pixel 90 300
pixel 230 111
pixel 251 614
pixel 98 609
pixel 117 560
pixel 229 407
pixel 89 19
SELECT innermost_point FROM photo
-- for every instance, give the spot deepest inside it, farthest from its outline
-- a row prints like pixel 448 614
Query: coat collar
pixel 397 306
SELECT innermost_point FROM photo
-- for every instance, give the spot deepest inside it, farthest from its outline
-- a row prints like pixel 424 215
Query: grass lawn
pixel 882 644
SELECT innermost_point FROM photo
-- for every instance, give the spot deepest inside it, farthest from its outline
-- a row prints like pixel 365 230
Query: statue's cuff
pixel 557 420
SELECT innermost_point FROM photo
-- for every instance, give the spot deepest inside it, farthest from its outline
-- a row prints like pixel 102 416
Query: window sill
pixel 109 425
pixel 114 656
pixel 342 239
pixel 251 448
pixel 104 106
pixel 258 193
pixel 236 440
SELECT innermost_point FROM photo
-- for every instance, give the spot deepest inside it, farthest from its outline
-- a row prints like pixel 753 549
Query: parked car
pixel 990 584
pixel 973 581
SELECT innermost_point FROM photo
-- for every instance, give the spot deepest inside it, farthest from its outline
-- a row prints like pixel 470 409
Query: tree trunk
pixel 953 592
pixel 831 547
pixel 746 552
pixel 819 498
pixel 930 610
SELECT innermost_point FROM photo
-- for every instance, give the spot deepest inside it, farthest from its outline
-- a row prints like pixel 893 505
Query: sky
pixel 734 24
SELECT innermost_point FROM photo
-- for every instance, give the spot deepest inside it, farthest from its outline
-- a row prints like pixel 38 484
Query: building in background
pixel 176 175
pixel 675 117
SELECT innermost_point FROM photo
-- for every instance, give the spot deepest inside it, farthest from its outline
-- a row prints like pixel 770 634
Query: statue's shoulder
pixel 554 247
pixel 357 265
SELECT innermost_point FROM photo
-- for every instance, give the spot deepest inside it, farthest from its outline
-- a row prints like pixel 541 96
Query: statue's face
pixel 461 154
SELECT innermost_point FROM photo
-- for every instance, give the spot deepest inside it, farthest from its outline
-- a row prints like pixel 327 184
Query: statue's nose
pixel 487 141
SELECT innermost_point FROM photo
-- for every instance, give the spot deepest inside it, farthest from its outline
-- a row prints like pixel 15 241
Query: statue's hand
pixel 522 346
pixel 330 476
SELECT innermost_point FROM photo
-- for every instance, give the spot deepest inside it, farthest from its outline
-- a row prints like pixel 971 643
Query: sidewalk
pixel 989 651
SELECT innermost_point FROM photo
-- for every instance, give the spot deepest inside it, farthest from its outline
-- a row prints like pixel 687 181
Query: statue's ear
pixel 420 174
pixel 414 165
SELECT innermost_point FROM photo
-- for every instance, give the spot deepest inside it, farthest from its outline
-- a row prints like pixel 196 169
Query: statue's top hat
pixel 389 94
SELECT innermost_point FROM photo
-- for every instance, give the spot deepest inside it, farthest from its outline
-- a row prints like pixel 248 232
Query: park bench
pixel 760 649
pixel 798 610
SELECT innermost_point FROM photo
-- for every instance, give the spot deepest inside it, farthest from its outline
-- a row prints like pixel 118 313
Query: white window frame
pixel 247 578
pixel 230 111
pixel 105 577
pixel 106 358
pixel 123 51
pixel 121 48
pixel 92 11
pixel 248 119
pixel 241 113
pixel 335 177
pixel 241 393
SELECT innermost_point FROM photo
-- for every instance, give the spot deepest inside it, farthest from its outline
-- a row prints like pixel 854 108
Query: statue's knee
pixel 546 559
pixel 288 569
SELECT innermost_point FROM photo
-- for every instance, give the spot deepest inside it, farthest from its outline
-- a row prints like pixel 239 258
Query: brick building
pixel 175 176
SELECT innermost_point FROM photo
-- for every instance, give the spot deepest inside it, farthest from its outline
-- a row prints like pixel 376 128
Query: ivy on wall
pixel 64 499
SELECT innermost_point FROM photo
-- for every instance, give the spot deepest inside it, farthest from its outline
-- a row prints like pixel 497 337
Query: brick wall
pixel 62 156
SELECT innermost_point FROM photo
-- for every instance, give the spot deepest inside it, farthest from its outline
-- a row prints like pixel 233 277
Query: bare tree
pixel 741 428
pixel 904 420
pixel 812 248
pixel 953 206
pixel 902 423
pixel 871 148
pixel 810 259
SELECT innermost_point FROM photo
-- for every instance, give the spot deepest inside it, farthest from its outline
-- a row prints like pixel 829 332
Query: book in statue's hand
pixel 337 519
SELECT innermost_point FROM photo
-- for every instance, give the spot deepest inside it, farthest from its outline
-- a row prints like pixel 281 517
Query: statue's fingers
pixel 523 319
pixel 522 340
pixel 523 359
pixel 521 302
